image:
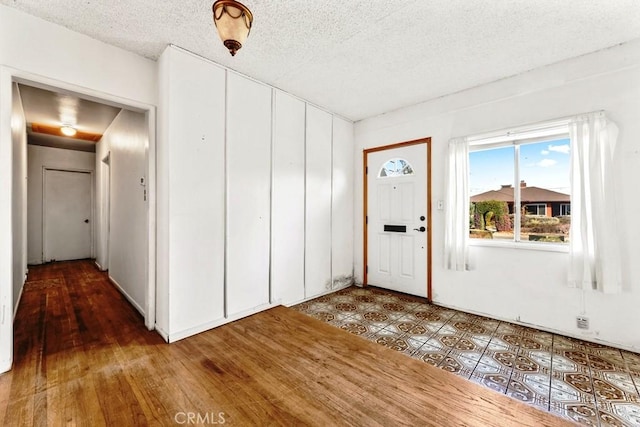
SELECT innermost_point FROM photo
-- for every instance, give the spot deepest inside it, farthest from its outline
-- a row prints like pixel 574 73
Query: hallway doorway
pixel 139 118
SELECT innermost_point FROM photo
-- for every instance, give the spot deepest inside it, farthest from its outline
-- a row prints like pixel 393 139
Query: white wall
pixel 530 285
pixel 248 169
pixel 342 203
pixel 56 52
pixel 19 194
pixel 231 207
pixel 105 71
pixel 317 272
pixel 191 194
pixel 287 196
pixel 126 141
pixel 38 158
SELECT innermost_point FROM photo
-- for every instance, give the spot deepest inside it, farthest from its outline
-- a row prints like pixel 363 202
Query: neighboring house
pixel 535 200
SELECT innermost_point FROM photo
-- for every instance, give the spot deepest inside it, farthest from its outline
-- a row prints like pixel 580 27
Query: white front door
pixel 397 219
pixel 67 215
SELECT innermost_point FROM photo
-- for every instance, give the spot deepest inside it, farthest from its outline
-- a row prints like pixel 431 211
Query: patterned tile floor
pixel 587 383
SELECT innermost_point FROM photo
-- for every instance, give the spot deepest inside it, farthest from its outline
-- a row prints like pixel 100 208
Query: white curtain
pixel 456 248
pixel 594 250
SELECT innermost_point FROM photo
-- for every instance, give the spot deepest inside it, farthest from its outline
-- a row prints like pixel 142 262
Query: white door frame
pixel 93 206
pixel 105 215
pixel 8 76
pixel 365 159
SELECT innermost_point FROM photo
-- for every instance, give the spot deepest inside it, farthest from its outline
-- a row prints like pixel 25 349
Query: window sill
pixel 531 246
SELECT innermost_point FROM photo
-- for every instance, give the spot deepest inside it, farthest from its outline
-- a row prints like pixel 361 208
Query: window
pixel 519 187
pixel 395 167
pixel 535 209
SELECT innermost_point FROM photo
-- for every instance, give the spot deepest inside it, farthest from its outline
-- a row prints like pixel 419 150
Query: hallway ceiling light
pixel 68 130
pixel 233 21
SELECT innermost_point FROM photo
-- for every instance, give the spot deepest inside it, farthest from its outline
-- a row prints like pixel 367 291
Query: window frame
pixel 517 137
pixel 395 159
pixel 537 205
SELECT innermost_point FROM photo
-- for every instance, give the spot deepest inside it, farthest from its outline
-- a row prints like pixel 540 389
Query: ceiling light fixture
pixel 68 130
pixel 233 21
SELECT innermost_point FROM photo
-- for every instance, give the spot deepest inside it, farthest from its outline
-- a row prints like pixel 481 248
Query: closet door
pixel 193 164
pixel 318 202
pixel 248 193
pixel 287 205
pixel 342 203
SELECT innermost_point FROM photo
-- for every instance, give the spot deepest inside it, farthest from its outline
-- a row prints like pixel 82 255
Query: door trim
pixel 44 214
pixel 365 193
pixel 9 75
pixel 105 215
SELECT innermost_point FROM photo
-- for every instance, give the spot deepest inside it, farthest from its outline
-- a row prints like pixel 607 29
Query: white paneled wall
pixel 195 151
pixel 248 193
pixel 342 203
pixel 287 199
pixel 318 202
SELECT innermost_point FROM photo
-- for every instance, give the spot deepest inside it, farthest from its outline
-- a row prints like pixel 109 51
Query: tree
pixel 492 214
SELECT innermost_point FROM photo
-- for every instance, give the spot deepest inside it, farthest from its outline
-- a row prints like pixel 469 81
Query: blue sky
pixel 542 164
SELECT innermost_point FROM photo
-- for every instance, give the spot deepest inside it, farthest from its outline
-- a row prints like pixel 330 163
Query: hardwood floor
pixel 84 357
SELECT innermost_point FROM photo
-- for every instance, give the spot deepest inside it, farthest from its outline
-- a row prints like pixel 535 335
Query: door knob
pixel 422 218
pixel 421 229
pixel 86 221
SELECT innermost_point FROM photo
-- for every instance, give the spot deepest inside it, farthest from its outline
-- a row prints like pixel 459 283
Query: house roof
pixel 527 195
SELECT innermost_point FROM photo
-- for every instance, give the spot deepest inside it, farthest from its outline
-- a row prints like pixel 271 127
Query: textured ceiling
pixel 363 57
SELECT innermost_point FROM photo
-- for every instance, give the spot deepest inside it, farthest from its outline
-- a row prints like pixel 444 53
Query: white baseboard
pixel 5 366
pixel 127 296
pixel 177 336
pixel 543 328
pixel 15 308
pixel 162 333
pixel 330 291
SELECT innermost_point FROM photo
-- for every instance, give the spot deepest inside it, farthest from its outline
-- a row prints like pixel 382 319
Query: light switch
pixel 440 205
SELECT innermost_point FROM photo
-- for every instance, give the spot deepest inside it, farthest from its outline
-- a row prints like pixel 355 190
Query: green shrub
pixel 492 214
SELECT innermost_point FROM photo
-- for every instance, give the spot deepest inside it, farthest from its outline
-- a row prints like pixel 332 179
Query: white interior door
pixel 66 215
pixel 397 219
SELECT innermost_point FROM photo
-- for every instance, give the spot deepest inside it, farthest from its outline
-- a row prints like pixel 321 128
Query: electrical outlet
pixel 582 322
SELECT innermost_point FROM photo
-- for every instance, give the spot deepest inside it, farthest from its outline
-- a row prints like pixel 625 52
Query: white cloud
pixel 564 148
pixel 546 163
pixel 545 152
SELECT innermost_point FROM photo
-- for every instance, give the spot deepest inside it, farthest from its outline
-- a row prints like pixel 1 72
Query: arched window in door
pixel 395 167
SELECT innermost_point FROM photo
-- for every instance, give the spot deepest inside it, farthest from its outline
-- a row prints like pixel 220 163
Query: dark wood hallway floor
pixel 83 357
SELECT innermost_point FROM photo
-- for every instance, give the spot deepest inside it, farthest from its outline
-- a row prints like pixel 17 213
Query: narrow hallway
pixel 73 330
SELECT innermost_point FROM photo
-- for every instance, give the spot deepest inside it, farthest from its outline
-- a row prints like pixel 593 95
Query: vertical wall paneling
pixel 248 193
pixel 226 198
pixel 287 220
pixel 342 203
pixel 318 202
pixel 196 109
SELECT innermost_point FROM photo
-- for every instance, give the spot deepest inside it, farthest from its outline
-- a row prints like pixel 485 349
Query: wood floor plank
pixel 84 357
